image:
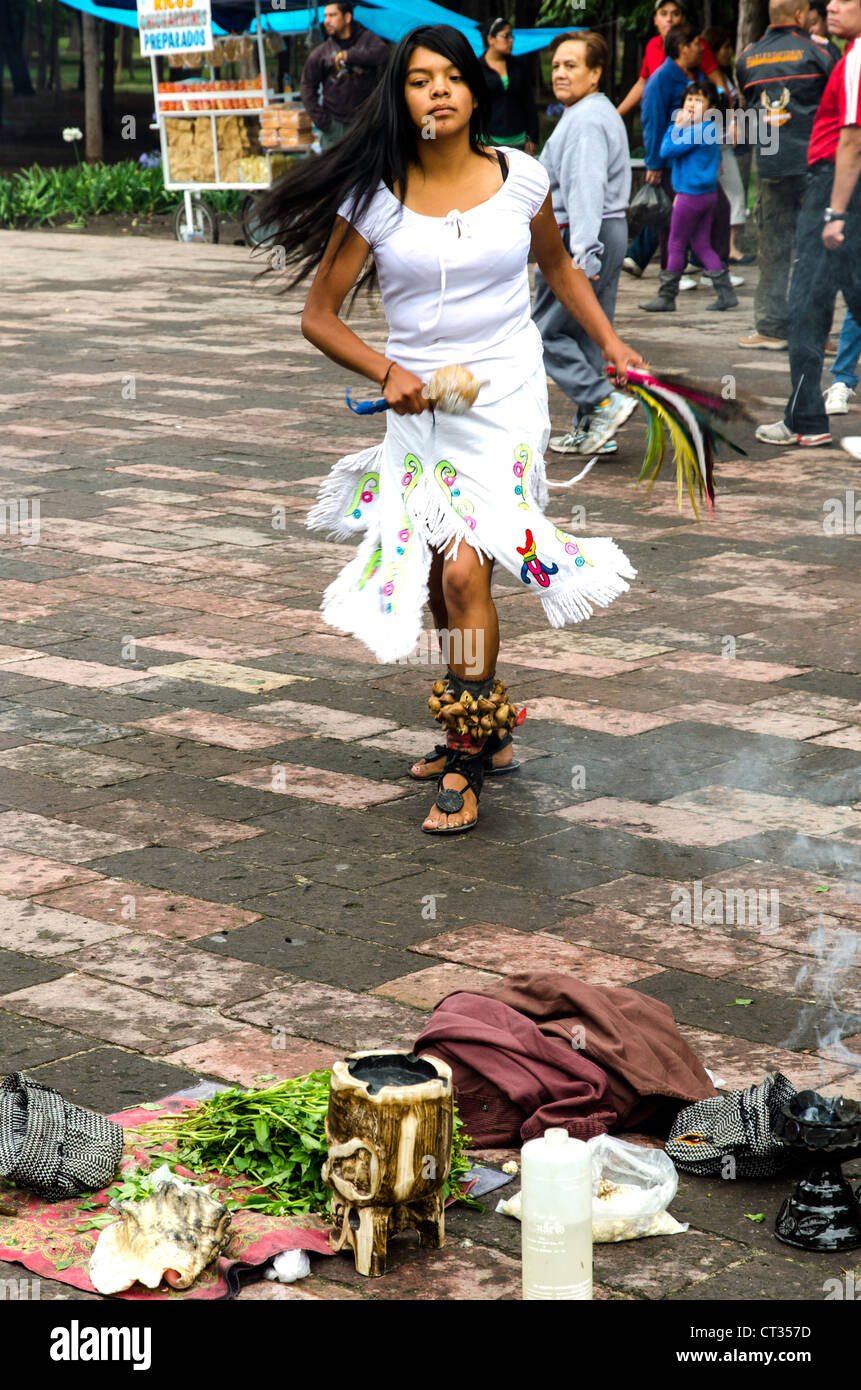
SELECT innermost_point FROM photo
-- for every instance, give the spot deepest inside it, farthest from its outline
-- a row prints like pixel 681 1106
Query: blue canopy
pixel 391 19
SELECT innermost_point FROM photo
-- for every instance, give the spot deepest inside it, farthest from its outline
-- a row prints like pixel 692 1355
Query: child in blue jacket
pixel 692 142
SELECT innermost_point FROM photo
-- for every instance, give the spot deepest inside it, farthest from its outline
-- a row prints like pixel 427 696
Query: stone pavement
pixel 212 864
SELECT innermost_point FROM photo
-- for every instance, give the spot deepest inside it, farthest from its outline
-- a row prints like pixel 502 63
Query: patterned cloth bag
pixel 737 1126
pixel 51 1147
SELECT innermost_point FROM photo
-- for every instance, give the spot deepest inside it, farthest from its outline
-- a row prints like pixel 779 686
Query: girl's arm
pixel 574 292
pixel 336 275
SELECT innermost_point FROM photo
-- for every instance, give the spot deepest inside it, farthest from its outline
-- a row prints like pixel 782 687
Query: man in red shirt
pixel 828 238
pixel 667 16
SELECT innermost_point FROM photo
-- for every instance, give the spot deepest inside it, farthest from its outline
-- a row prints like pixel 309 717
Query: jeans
pixel 574 361
pixel 777 208
pixel 845 367
pixel 644 246
pixel 692 225
pixel 336 131
pixel 733 187
pixel 817 275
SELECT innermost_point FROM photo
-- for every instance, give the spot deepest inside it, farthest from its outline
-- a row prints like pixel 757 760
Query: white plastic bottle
pixel 556 1217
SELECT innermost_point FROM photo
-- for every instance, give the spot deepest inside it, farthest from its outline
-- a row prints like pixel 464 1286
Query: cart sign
pixel 174 26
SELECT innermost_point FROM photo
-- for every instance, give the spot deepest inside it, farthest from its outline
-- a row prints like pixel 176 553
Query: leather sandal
pixel 450 801
pixel 494 745
pixel 438 751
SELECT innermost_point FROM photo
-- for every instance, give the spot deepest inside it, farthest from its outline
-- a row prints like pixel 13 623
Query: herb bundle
pixel 274 1139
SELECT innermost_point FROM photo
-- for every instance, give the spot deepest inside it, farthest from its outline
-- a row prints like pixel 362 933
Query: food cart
pixel 216 133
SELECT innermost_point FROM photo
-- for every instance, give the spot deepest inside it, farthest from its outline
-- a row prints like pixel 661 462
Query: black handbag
pixel 51 1147
pixel 652 206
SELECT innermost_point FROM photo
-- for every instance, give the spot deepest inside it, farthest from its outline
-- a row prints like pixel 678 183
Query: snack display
pixel 281 126
pixel 252 169
pixel 219 103
pixel 189 144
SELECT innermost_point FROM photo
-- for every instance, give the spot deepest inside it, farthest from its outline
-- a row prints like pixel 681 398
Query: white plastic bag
pixel 289 1266
pixel 631 1190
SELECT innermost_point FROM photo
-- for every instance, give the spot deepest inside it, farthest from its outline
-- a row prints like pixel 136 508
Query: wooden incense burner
pixel 389 1130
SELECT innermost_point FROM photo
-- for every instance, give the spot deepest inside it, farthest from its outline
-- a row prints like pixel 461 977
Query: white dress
pixel 456 290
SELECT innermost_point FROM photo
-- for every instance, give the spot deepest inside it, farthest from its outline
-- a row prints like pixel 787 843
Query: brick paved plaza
pixel 209 843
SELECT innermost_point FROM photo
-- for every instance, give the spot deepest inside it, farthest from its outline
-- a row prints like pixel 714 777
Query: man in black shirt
pixel 782 77
pixel 341 72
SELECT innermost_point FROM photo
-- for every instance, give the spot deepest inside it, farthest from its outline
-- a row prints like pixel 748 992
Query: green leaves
pixel 758 1217
pixel 43 196
pixel 275 1139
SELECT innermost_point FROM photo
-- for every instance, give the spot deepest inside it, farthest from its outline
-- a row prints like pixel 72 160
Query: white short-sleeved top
pixel 455 289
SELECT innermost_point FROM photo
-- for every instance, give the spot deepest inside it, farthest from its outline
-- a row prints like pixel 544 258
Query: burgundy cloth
pixel 534 1051
pixel 511 1083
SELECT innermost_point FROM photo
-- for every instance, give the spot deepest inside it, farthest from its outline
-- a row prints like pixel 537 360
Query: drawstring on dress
pixel 454 219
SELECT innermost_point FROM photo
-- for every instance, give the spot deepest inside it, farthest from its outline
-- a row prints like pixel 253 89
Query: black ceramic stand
pixel 823 1213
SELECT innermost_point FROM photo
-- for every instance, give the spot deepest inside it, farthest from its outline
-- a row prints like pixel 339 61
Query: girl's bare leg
pixel 473 619
pixel 446 623
pixel 436 599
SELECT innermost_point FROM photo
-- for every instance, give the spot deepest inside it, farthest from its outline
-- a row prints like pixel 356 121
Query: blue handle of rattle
pixel 366 407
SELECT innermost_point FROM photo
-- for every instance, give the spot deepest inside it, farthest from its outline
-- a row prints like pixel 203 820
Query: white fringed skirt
pixel 437 481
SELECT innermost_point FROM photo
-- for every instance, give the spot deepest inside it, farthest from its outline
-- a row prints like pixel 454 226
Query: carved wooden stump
pixel 389 1129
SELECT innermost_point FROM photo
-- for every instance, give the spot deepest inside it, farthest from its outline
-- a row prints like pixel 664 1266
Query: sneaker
pixel 605 420
pixel 837 398
pixel 735 280
pixel 779 434
pixel 762 340
pixel 688 282
pixel 853 446
pixel 631 266
pixel 572 443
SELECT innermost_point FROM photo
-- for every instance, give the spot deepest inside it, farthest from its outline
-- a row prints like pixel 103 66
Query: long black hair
pixel 382 142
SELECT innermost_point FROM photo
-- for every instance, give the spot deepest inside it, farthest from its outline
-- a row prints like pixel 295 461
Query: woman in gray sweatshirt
pixel 588 161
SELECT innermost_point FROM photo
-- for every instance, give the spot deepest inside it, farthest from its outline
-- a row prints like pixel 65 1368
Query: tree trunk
pixel 752 22
pixel 55 79
pixel 92 108
pixel 81 51
pixel 125 55
pixel 42 42
pixel 108 36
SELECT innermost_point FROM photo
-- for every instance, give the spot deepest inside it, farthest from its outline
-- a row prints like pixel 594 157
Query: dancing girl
pixel 458 483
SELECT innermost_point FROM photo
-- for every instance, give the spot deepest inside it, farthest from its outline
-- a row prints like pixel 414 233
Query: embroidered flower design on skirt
pixel 439 486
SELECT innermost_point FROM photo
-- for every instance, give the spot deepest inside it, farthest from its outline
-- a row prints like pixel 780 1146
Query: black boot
pixel 665 300
pixel 726 295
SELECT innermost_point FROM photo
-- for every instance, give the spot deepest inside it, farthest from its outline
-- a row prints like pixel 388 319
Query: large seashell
pixel 172 1234
pixel 453 389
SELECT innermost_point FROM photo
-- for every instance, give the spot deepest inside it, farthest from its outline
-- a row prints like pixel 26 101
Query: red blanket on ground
pixel 51 1239
pixel 549 1050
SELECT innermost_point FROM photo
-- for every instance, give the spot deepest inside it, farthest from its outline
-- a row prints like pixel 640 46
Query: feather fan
pixel 691 418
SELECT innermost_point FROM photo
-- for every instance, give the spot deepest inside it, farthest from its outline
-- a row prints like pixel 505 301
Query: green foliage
pixel 275 1139
pixel 38 197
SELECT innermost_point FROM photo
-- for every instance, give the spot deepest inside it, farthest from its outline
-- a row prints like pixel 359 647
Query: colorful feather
pixel 690 416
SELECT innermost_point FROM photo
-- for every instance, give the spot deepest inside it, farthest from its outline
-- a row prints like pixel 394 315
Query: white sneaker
pixel 631 266
pixel 837 398
pixel 572 443
pixel 688 282
pixel 605 420
pixel 706 283
pixel 852 445
pixel 567 443
pixel 779 434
